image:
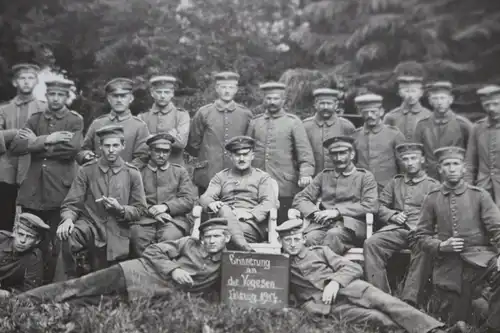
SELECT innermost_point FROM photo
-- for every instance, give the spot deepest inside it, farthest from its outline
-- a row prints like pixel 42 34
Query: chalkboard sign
pixel 255 279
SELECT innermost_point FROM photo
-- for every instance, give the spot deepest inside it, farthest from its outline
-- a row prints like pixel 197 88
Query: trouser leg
pixel 168 232
pixel 8 195
pixel 141 236
pixel 285 205
pixel 251 234
pixel 238 241
pixel 378 249
pixel 340 239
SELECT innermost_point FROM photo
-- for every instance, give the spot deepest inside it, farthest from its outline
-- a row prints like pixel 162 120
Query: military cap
pixel 25 67
pixel 119 85
pixel 407 79
pixel 110 131
pixel 211 224
pixel 409 72
pixel 409 148
pixel 59 84
pixel 366 101
pixel 240 142
pixel 449 152
pixel 272 86
pixel 162 81
pixel 227 76
pixel 160 140
pixel 339 143
pixel 32 223
pixel 290 227
pixel 439 86
pixel 488 92
pixel 326 93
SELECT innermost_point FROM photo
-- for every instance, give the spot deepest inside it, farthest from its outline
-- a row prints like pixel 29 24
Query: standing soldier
pixel 282 148
pixel 213 126
pixel 165 117
pixel 483 151
pixel 443 128
pixel 105 197
pixel 325 124
pixel 13 116
pixel 375 142
pixel 119 94
pixel 410 89
pixel 57 138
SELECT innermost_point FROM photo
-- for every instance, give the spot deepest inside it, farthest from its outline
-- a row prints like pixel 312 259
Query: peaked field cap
pixel 339 143
pixel 161 138
pixel 227 76
pixel 25 67
pixel 439 86
pixel 409 148
pixel 449 152
pixel 32 223
pixel 162 80
pixel 211 224
pixel 119 84
pixel 409 79
pixel 60 84
pixel 488 91
pixel 290 227
pixel 240 142
pixel 272 86
pixel 368 100
pixel 326 92
pixel 110 131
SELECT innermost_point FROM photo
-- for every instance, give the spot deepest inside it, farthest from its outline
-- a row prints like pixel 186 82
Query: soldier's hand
pixel 111 204
pixel 163 217
pixel 215 206
pixel 330 292
pixel 56 137
pixel 181 276
pixel 4 294
pixel 304 181
pixel 157 209
pixel 65 229
pixel 89 156
pixel 452 244
pixel 325 215
pixel 26 133
pixel 399 218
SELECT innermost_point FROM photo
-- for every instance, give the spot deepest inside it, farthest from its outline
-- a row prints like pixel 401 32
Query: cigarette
pixel 99 200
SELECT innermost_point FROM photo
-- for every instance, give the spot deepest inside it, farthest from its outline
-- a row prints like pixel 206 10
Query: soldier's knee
pixel 380 319
pixel 372 245
pixel 314 237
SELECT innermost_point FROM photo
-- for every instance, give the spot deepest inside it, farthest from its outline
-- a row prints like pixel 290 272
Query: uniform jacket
pixel 353 193
pixel 282 149
pixel 14 116
pixel 435 133
pixel 172 186
pixel 21 271
pixel 53 166
pixel 375 151
pixel 152 274
pixel 483 157
pixel 170 120
pixel 318 130
pixel 403 194
pixel 136 134
pixel 406 119
pixel 94 180
pixel 466 212
pixel 212 127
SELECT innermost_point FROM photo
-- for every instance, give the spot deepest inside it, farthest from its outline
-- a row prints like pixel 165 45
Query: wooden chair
pixel 272 245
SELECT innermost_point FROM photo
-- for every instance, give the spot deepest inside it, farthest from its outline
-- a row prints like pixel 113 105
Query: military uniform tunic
pixel 406 119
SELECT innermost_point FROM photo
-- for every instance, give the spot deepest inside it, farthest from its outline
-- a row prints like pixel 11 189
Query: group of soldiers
pixel 121 195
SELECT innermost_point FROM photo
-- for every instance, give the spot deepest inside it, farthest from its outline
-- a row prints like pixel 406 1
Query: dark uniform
pixel 21 270
pixel 406 195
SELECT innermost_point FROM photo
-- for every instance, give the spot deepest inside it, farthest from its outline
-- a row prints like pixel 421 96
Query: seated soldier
pixel 105 197
pixel 243 194
pixel 326 283
pixel 170 196
pixel 186 264
pixel 21 264
pixel 346 193
pixel 400 204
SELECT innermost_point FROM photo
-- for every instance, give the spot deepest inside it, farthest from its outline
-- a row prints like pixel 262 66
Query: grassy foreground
pixel 178 313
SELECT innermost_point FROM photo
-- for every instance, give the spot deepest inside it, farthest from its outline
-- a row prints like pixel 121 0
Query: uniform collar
pixel 116 167
pixel 59 114
pixel 328 122
pixel 120 116
pixel 444 120
pixel 347 172
pixel 170 107
pixel 222 106
pixel 415 109
pixel 415 180
pixel 238 173
pixel 155 169
pixel 278 114
pixel 457 190
pixel 19 101
pixel 373 130
pixel 214 257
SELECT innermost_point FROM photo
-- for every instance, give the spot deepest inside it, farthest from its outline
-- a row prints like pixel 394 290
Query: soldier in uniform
pixel 282 147
pixel 55 139
pixel 242 194
pixel 443 128
pixel 212 127
pixel 400 204
pixel 483 150
pixel 106 196
pixel 345 195
pixel 186 264
pixel 165 117
pixel 325 124
pixel 21 263
pixel 170 196
pixel 119 94
pixel 376 142
pixel 13 117
pixel 410 89
pixel 325 283
pixel 460 227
